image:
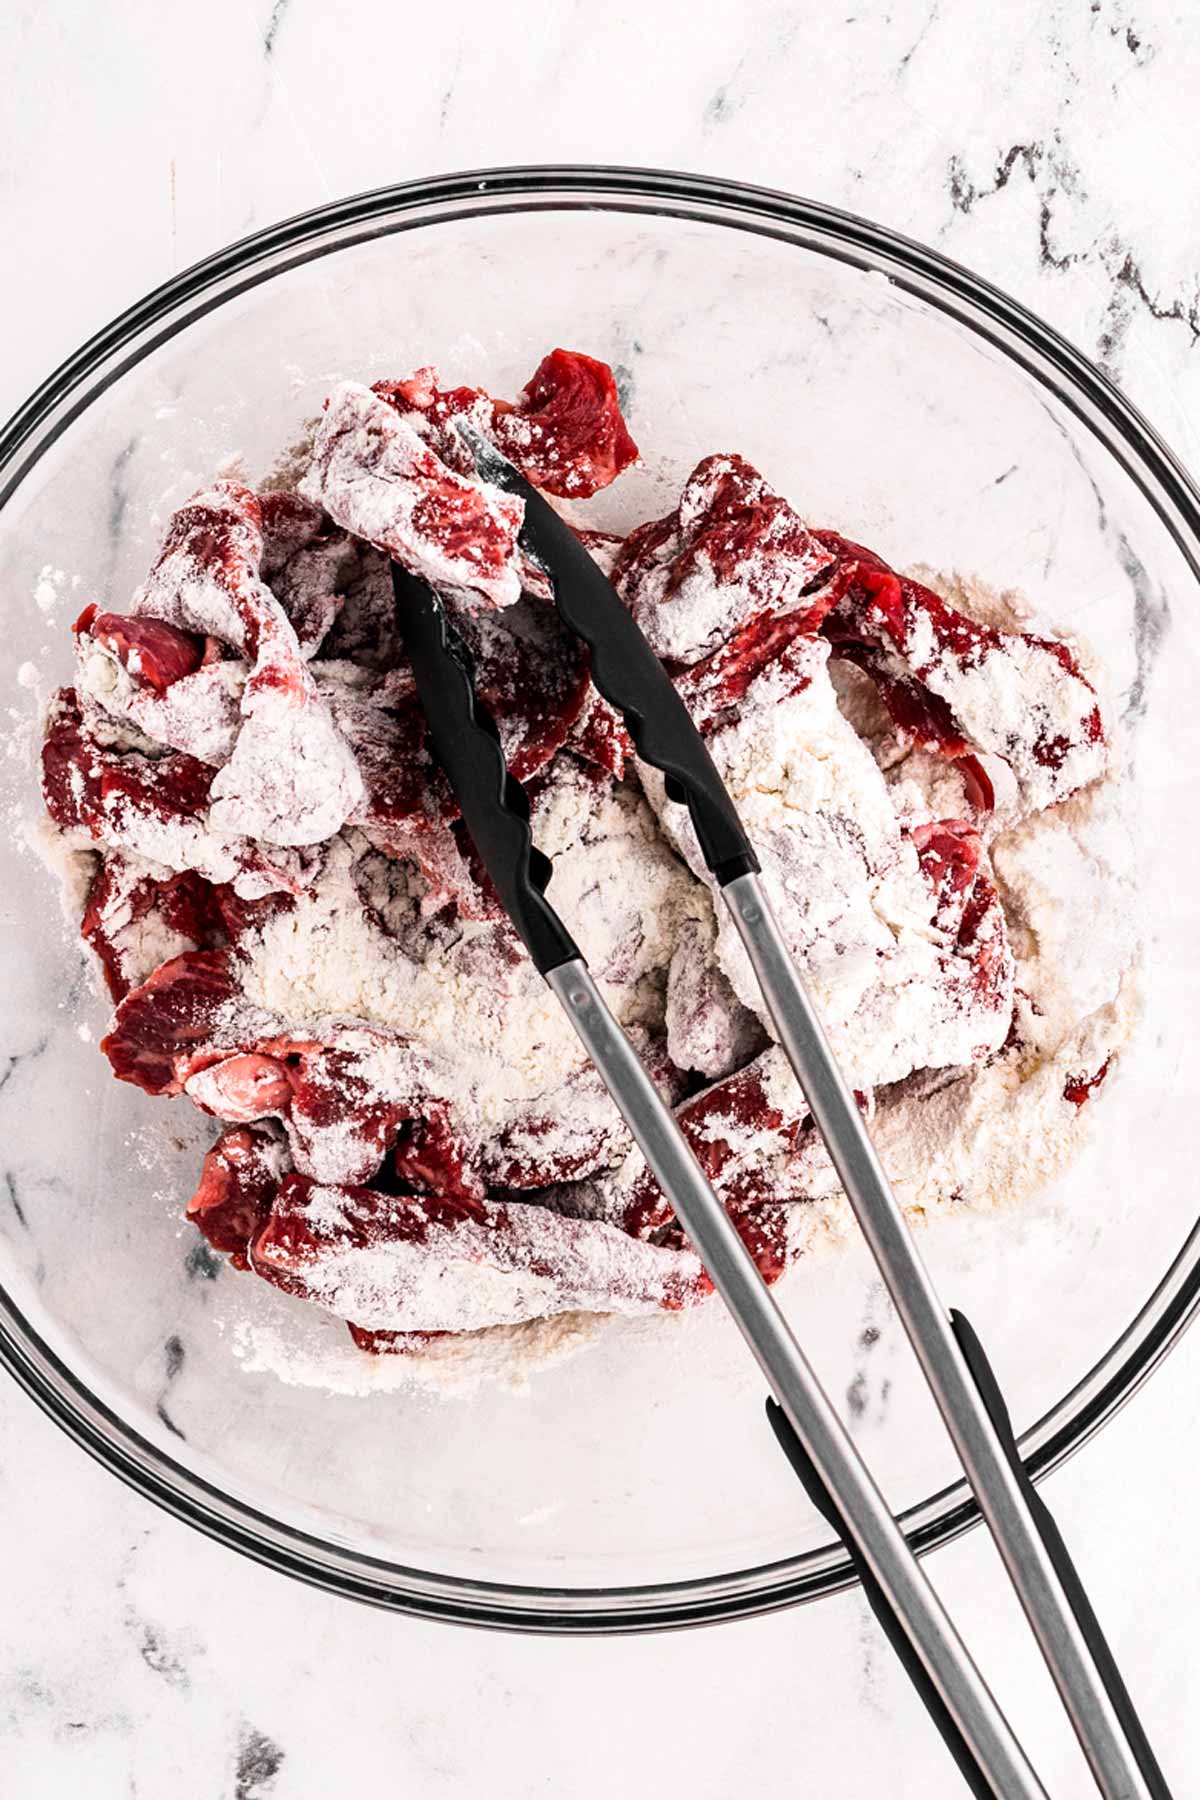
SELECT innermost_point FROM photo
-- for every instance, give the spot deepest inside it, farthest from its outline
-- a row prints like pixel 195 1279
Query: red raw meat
pixel 238 915
pixel 599 736
pixel 532 676
pixel 602 546
pixel 391 1343
pixel 983 938
pixel 207 577
pixel 949 851
pixel 379 478
pixel 876 621
pixel 161 1026
pixel 289 523
pixel 239 1180
pixel 324 1244
pixel 197 711
pixel 434 410
pixel 766 1230
pixel 534 681
pixel 122 896
pixel 348 1146
pixel 153 651
pixel 341 1117
pixel 246 1087
pixel 566 433
pixel 333 1100
pixel 370 1217
pixel 428 1158
pixel 732 552
pixel 742 1141
pixel 121 799
pixel 1080 1088
pixel 966 905
pixel 923 718
pixel 708 1029
pixel 304 559
pixel 715 687
pixel 365 631
pixel 572 1131
pixel 767 1233
pixel 188 1027
pixel 87 787
pixel 408 809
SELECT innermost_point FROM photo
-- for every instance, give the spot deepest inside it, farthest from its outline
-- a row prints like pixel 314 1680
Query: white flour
pixel 674 577
pixel 308 1348
pixel 200 714
pixel 845 883
pixel 373 474
pixel 1027 681
pixel 988 1138
pixel 518 1263
pixel 497 1035
pixel 289 778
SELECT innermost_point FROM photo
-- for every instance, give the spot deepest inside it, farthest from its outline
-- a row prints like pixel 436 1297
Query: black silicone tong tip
pixel 624 668
pixel 466 742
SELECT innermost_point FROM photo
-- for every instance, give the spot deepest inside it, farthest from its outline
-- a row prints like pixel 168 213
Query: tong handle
pixel 1043 1519
pixel 627 672
pixel 910 1606
pixel 885 1613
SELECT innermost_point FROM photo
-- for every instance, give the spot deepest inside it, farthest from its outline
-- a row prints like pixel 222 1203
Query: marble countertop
pixel 1039 143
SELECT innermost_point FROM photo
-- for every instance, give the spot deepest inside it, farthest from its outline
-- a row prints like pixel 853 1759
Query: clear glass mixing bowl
pixel 886 391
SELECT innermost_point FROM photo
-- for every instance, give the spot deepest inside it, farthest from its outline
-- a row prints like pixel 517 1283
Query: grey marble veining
pixel 1049 145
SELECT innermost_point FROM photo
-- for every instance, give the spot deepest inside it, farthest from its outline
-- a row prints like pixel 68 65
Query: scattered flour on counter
pixel 48 589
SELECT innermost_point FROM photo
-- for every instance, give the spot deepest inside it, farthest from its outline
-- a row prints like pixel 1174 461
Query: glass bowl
pixel 887 392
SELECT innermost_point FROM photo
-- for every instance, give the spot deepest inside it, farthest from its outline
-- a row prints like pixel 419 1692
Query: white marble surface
pixel 1049 151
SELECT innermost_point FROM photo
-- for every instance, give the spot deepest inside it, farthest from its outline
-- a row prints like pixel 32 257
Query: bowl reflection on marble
pixel 634 1483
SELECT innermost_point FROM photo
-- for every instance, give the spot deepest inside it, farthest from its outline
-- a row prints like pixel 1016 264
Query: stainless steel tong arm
pixel 796 1387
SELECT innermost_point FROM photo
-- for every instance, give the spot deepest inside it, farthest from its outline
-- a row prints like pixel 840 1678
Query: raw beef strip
pixel 732 550
pixel 380 480
pixel 1021 697
pixel 565 433
pixel 289 778
pixel 405 1263
pixel 155 807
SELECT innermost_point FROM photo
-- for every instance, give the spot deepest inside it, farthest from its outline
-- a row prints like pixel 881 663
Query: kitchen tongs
pixel 496 813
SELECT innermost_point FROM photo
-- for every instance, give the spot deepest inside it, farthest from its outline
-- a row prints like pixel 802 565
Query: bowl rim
pixel 936 281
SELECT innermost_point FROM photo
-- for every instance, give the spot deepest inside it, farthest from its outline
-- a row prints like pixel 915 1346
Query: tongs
pixel 495 810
